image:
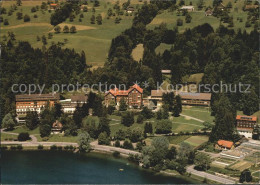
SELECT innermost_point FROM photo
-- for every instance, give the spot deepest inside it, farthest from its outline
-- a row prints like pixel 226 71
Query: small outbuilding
pixel 56 127
pixel 223 144
pixel 208 12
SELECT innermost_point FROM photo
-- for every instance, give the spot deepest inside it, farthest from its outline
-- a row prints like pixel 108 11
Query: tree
pixel 44 40
pixel 35 15
pixel 110 109
pixel 225 116
pixel 179 22
pixel 172 153
pixel 202 161
pixel 188 18
pixel 19 2
pixel 159 114
pixel 140 119
pixel 23 136
pixel 163 127
pixel 66 29
pixel 6 22
pixel 33 9
pixel 31 120
pixel 120 135
pixel 8 122
pixel 207 126
pixel 84 142
pixel 128 145
pixel 57 29
pixel 148 128
pixel 127 119
pixel 96 3
pixel 19 15
pixel 177 107
pixel 99 19
pixel 73 29
pixel 136 135
pixel 85 9
pixel 245 176
pixel 122 105
pixel 26 18
pixel 158 154
pixel 92 19
pixel 50 35
pixel 168 99
pixel 78 115
pixel 45 130
pixel 103 139
pixel 184 152
pixel 147 113
pixel 117 20
pixel 103 126
pixel 251 103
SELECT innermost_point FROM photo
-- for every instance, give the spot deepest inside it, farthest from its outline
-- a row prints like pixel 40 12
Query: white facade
pixel 246 133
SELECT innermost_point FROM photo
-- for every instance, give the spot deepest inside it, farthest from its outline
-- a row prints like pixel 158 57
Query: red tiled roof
pixel 137 87
pixel 251 118
pixel 117 92
pixel 224 143
pixel 53 4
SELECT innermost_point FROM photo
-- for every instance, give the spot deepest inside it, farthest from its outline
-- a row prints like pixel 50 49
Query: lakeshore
pixel 65 167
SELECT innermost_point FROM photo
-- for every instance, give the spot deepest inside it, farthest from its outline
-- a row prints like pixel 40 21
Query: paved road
pixel 222 180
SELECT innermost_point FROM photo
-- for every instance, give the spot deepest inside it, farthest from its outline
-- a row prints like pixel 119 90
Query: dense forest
pixel 226 55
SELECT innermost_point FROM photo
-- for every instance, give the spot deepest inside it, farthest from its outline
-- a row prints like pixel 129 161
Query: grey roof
pixel 37 97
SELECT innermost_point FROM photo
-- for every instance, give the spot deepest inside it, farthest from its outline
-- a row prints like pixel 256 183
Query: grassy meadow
pixel 93 39
pixel 198 17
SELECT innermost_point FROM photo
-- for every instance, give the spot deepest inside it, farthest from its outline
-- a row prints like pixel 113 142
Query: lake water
pixel 57 167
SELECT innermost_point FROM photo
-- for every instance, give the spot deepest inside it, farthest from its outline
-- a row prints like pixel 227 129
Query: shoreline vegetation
pixel 108 153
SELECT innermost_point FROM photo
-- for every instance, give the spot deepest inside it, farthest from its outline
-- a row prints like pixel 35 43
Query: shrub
pixel 128 144
pixel 3 147
pixel 45 138
pixel 116 154
pixel 66 147
pixel 59 147
pixel 117 143
pixel 53 147
pixel 26 18
pixel 6 22
pixel 35 16
pixel 19 147
pixel 13 147
pixel 24 136
pixel 179 22
pixel 40 147
pixel 140 119
pixel 163 127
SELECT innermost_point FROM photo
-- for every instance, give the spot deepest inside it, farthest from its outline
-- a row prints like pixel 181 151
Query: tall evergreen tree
pixel 225 116
pixel 31 120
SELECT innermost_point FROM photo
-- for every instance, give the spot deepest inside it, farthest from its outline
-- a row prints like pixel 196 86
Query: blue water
pixel 57 167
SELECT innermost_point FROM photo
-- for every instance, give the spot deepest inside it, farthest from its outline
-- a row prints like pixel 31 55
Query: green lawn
pixel 196 140
pixel 199 18
pixel 162 47
pixel 24 129
pixel 60 138
pixel 202 113
pixel 5 137
pixel 179 124
pixel 177 139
